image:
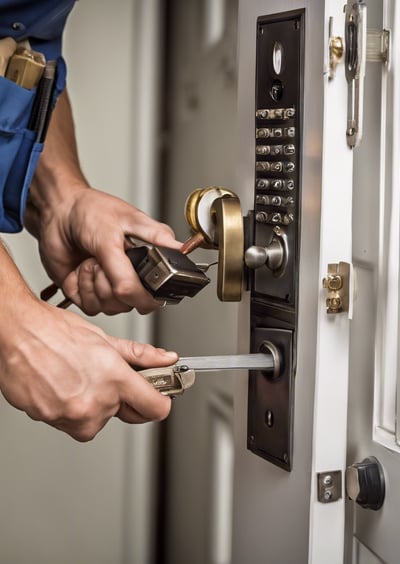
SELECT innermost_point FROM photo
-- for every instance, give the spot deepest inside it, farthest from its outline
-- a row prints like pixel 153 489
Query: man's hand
pixel 62 370
pixel 82 245
pixel 82 231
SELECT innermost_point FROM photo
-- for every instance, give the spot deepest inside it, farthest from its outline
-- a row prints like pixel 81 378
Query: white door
pixel 374 340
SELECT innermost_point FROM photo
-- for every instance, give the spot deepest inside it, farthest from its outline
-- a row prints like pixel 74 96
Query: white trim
pixel 331 379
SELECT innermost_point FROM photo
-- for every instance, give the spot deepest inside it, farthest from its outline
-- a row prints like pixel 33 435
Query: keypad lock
pixel 275 230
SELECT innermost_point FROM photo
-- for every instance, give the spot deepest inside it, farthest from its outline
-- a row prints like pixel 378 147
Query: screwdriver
pixel 174 380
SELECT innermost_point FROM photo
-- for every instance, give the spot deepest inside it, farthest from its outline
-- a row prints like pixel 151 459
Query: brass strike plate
pixel 337 283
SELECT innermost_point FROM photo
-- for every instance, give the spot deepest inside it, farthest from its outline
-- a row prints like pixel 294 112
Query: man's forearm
pixel 14 293
pixel 58 165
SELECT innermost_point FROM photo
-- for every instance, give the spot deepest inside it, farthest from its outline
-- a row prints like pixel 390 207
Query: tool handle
pixel 169 381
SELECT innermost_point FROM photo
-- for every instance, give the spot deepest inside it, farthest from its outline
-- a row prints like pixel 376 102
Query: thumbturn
pixel 365 483
pixel 274 256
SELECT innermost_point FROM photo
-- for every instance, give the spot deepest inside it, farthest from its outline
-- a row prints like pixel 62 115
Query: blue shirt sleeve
pixel 40 21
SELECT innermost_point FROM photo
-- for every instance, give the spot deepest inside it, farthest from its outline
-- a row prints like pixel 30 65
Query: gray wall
pixel 60 501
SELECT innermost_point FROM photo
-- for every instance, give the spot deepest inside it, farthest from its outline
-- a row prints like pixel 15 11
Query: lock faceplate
pixel 276 230
pixel 271 401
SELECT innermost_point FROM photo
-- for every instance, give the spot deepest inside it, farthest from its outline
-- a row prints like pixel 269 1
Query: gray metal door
pixel 346 378
pixel 201 140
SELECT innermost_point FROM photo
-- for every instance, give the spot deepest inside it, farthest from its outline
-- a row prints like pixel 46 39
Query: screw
pixel 327 495
pixel 327 480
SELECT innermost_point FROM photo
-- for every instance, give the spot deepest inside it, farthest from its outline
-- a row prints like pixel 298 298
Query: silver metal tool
pixel 174 380
pixel 257 361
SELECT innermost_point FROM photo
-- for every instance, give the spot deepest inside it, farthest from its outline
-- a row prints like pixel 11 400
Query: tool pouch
pixel 19 148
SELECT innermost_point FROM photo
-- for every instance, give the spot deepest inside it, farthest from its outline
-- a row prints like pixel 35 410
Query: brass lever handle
pixel 215 213
pixel 229 223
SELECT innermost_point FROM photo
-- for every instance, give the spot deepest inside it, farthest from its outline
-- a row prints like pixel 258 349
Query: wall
pixel 61 501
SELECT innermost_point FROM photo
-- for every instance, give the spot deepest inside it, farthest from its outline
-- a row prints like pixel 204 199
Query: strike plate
pixel 271 402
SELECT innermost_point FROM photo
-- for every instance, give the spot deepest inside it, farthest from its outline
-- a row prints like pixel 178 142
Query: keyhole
pixel 269 418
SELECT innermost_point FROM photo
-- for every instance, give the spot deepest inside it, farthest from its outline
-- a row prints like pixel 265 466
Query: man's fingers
pixel 128 415
pixel 125 282
pixel 142 354
pixel 89 288
pixel 143 399
pixel 150 230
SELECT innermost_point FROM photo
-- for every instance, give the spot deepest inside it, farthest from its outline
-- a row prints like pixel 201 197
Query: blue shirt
pixel 40 21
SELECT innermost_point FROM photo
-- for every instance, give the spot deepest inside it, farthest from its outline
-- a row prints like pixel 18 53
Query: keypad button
pixel 289 149
pixel 263 132
pixel 289 113
pixel 263 183
pixel 263 166
pixel 263 149
pixel 277 184
pixel 276 150
pixel 261 217
pixel 289 167
pixel 262 200
pixel 262 114
pixel 290 132
pixel 275 218
pixel 276 167
pixel 288 218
